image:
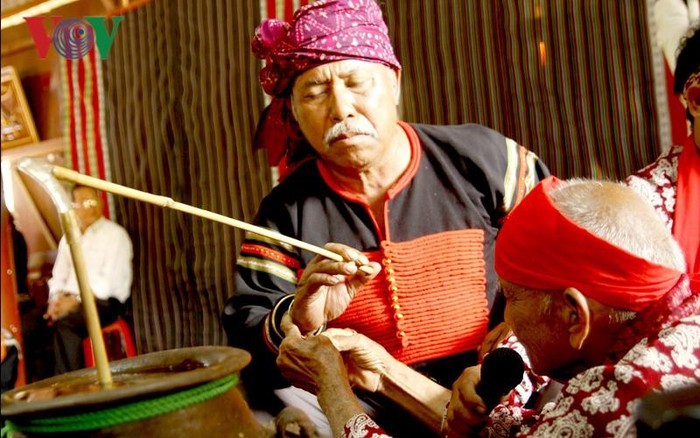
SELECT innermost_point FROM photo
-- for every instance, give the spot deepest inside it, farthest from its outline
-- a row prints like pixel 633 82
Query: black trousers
pixel 9 368
pixel 69 332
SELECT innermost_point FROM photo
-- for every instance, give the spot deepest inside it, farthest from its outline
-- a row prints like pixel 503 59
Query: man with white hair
pixel 603 305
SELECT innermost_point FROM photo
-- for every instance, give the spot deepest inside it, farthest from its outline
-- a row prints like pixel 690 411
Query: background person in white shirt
pixel 108 254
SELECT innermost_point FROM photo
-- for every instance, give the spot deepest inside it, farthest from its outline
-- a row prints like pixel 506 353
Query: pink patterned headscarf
pixel 322 32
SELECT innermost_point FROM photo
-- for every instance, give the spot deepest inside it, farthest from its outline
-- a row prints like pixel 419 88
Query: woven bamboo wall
pixel 183 98
pixel 570 79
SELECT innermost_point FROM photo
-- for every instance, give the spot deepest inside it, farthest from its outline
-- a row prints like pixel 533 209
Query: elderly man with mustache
pixel 420 205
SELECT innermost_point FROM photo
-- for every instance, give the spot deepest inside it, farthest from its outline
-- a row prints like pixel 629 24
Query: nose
pixel 342 104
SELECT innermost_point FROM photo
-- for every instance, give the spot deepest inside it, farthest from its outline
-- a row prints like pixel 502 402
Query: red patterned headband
pixel 541 249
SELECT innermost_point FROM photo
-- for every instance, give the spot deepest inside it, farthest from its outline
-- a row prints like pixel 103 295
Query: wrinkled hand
pixel 365 359
pixel 326 287
pixel 308 362
pixel 61 305
pixel 466 413
pixel 294 423
pixel 494 338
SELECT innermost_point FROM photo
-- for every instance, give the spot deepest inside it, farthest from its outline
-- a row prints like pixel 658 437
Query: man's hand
pixel 466 413
pixel 309 362
pixel 61 305
pixel 366 360
pixel 494 338
pixel 327 287
pixel 313 363
pixel 292 422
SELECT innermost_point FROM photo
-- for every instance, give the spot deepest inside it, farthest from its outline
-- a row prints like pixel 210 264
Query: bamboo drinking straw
pixel 165 202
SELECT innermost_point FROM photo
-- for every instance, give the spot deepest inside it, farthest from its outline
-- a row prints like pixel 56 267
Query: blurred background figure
pixel 672 182
pixel 108 256
pixel 673 19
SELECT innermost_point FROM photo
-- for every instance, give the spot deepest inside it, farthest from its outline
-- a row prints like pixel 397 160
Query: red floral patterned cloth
pixel 657 182
pixel 361 425
pixel 660 183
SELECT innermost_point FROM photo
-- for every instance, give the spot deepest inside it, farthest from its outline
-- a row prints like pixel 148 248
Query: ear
pixel 397 88
pixel 577 317
pixel 289 102
pixel 692 99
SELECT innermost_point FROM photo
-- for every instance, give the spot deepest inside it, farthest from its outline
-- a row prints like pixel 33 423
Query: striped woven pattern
pixel 83 112
pixel 571 80
pixel 442 307
pixel 181 85
pixel 281 9
pixel 262 257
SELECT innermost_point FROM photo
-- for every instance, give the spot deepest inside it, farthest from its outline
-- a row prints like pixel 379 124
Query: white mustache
pixel 360 126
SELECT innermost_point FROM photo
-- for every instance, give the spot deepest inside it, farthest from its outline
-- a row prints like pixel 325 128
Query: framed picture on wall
pixel 17 123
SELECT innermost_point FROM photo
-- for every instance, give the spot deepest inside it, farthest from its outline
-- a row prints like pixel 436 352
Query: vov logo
pixel 73 38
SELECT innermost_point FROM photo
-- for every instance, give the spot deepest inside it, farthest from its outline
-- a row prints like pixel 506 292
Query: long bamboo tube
pixel 165 202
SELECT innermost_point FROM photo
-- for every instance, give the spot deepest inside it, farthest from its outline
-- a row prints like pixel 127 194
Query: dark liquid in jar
pixel 89 384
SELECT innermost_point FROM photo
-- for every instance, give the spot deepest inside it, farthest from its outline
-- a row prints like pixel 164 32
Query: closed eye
pixel 359 84
pixel 313 96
